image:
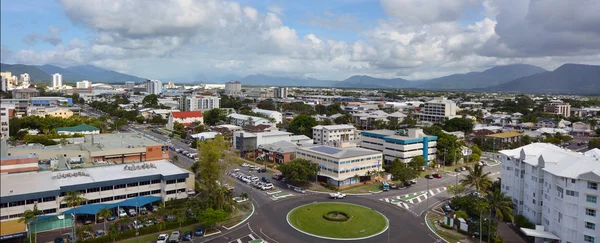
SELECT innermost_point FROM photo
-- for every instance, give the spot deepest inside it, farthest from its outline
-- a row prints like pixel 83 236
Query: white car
pixel 137 224
pixel 254 178
pixel 122 212
pixel 245 165
pixel 413 181
pixel 337 195
pixel 132 212
pixel 267 186
pixel 162 238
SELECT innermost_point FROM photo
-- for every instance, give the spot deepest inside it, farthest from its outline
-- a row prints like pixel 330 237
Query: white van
pixel 122 212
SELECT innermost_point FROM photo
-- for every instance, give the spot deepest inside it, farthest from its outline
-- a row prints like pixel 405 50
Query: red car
pixel 437 176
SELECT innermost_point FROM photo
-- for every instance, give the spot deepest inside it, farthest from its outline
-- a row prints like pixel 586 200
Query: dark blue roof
pixel 327 150
pixel 93 209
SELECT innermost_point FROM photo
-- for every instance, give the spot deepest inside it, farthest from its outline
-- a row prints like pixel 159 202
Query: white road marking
pixel 386 200
pixel 418 199
pixel 251 237
pixel 438 190
pixel 430 191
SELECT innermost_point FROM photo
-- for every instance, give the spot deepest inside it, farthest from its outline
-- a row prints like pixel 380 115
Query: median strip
pixel 407 198
pixel 281 195
pixel 275 192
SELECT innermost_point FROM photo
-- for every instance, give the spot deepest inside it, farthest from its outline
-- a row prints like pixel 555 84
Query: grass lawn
pixel 450 236
pixel 364 221
pixel 363 188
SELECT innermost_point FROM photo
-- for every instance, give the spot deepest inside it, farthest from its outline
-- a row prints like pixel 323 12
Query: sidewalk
pixel 508 234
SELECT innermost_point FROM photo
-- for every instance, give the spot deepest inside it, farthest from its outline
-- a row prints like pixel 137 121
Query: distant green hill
pixel 35 74
pixel 71 74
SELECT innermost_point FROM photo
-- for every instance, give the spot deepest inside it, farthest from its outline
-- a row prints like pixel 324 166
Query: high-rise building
pixel 280 92
pixel 334 135
pixel 3 83
pixel 233 88
pixel 129 85
pixel 440 109
pixel 5 111
pixel 56 81
pixel 170 85
pixel 556 189
pixel 153 87
pixel 84 84
pixel 403 145
pixel 195 103
pixel 25 79
pixel 557 107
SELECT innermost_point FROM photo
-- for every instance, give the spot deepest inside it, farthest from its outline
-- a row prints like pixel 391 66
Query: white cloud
pixel 275 9
pixel 53 37
pixel 427 11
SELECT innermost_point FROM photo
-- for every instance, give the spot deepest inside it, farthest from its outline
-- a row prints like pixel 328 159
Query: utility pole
pixel 427 199
pixel 489 225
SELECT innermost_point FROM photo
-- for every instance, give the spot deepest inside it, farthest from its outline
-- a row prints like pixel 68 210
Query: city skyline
pixel 326 40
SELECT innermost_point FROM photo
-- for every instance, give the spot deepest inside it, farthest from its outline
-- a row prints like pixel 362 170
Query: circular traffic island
pixel 337 221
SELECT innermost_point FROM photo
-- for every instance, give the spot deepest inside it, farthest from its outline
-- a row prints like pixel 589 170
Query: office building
pixel 56 81
pixel 25 79
pixel 340 167
pixel 278 152
pixel 84 84
pixel 153 87
pixel 556 189
pixel 6 112
pixel 3 83
pixel 129 85
pixel 7 80
pixel 49 111
pixel 198 103
pixel 25 93
pixel 184 117
pixel 275 115
pixel 335 135
pixel 233 88
pixel 249 142
pixel 400 144
pixel 557 107
pixel 438 110
pixel 280 92
pixel 244 120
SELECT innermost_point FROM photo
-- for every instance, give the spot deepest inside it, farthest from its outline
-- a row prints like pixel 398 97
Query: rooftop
pixel 25 183
pixel 339 153
pixel 186 114
pixel 280 146
pixel 505 135
pixel 334 127
pixel 262 111
pixel 79 128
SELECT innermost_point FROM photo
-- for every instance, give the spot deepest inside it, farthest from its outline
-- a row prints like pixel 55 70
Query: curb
pixel 347 194
pixel 241 222
pixel 387 227
pixel 433 231
pixel 215 233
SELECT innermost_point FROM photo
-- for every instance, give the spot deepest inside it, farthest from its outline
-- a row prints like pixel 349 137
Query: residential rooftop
pixel 334 127
pixel 339 153
pixel 505 135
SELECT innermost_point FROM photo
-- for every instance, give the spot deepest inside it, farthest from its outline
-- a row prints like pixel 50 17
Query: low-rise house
pixel 545 123
pixel 259 128
pixel 275 115
pixel 184 117
pixel 278 152
pixel 504 137
pixel 79 129
pixel 243 120
pixel 49 111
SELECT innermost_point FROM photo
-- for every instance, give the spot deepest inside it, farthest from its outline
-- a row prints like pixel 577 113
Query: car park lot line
pixel 274 192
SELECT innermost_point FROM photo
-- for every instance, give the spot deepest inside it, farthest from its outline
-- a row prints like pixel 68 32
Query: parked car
pixel 276 177
pixel 87 222
pixel 187 236
pixel 137 224
pixel 245 165
pixel 170 218
pixel 154 208
pixel 413 181
pixel 267 186
pixel 265 179
pixel 148 223
pixel 122 212
pixel 111 218
pixel 429 176
pixel 199 231
pixel 99 233
pixel 463 168
pixel 175 237
pixel 162 238
pixel 437 176
pixel 393 186
pixel 261 170
pixel 254 178
pixel 299 190
pixel 132 212
pixel 407 184
pixel 100 219
pixel 59 240
pixel 457 170
pixel 143 210
pixel 447 208
pixel 337 195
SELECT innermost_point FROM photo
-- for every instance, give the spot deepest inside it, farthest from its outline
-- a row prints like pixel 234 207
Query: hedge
pixel 326 216
pixel 462 231
pixel 446 226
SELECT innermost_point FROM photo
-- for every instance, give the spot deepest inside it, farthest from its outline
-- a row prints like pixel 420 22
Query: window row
pixel 119 197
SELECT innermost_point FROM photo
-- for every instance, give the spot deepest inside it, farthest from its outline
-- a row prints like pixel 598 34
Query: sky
pixel 206 40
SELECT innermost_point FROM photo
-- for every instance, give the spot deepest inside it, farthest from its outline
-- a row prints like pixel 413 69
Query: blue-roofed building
pixel 401 144
pixel 343 166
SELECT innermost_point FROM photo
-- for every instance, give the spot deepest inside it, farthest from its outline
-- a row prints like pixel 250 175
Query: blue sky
pixel 333 39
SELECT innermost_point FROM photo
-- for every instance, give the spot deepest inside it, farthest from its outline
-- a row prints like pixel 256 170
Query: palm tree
pixel 477 178
pixel 125 220
pixel 31 216
pixel 113 232
pixel 105 213
pixel 73 199
pixel 500 205
pixel 81 231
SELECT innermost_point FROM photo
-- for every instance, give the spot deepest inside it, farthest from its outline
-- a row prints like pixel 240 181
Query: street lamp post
pixel 427 199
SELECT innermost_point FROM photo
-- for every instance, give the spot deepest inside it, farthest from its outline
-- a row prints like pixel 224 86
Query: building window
pixel 590 198
pixel 592 185
pixel 155 181
pixel 572 193
pixel 171 181
pixel 106 188
pixel 120 186
pixel 145 193
pixel 180 180
pixel 588 238
pixel 590 212
pixel 120 197
pixel 132 195
pixel 106 199
pixel 144 183
pixel 132 184
pixel 589 225
pixel 156 192
pixel 171 192
pixel 93 190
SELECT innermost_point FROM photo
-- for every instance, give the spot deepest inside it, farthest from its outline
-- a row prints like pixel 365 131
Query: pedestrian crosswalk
pixel 406 201
pixel 248 238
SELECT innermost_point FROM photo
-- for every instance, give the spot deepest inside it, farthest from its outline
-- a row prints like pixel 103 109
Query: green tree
pixel 302 125
pixel 552 140
pixel 400 171
pixel 210 217
pixel 180 217
pixel 326 122
pixel 500 204
pixel 105 213
pixel 417 162
pixel 267 104
pixel 456 189
pixel 594 143
pixel 176 158
pixel 214 116
pixel 113 231
pixel 208 168
pixel 477 178
pixel 299 171
pixel 150 101
pixel 459 124
pixel 345 119
pixel 74 199
pixel 30 216
pixel 378 124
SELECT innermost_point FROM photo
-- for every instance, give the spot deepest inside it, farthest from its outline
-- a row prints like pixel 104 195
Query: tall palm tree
pixel 500 205
pixel 477 178
pixel 73 199
pixel 30 216
pixel 105 213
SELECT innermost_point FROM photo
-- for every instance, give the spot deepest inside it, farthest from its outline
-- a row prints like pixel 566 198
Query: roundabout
pixel 337 221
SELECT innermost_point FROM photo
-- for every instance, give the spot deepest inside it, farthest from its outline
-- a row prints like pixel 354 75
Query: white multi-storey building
pixel 558 107
pixel 195 103
pixel 129 84
pixel 3 82
pixel 280 92
pixel 244 120
pixel 25 79
pixel 275 115
pixel 555 188
pixel 153 87
pixel 334 135
pixel 439 109
pixel 5 120
pixel 233 88
pixel 56 81
pixel 84 84
pixel 403 145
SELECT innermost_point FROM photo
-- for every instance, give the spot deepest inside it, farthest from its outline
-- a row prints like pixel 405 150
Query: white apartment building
pixel 153 87
pixel 129 84
pixel 83 84
pixel 25 79
pixel 56 81
pixel 335 135
pixel 107 185
pixel 3 82
pixel 243 120
pixel 280 92
pixel 251 141
pixel 275 115
pixel 440 109
pixel 233 88
pixel 5 120
pixel 340 166
pixel 557 107
pixel 403 145
pixel 555 188
pixel 195 103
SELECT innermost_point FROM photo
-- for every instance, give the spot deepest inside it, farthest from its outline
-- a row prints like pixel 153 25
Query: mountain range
pixel 70 74
pixel 568 78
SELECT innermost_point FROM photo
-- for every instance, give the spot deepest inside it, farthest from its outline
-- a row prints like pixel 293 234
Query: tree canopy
pixel 214 116
pixel 401 172
pixel 459 124
pixel 299 171
pixel 302 125
pixel 150 101
pixel 594 143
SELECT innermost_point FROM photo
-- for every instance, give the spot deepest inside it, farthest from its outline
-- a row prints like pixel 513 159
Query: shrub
pixel 522 222
pixel 326 216
pixel 446 226
pixel 462 231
